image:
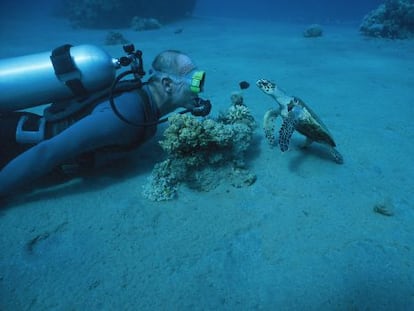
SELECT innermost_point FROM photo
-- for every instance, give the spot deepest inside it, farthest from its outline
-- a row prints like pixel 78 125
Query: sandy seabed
pixel 304 236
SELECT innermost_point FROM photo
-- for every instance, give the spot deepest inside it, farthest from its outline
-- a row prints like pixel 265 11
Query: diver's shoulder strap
pixel 66 70
pixel 59 111
pixel 61 115
pixel 147 104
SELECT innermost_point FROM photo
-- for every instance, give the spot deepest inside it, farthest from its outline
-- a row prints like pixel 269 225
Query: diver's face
pixel 188 87
pixel 183 96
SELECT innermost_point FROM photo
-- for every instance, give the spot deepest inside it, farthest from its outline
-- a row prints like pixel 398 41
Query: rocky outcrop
pixel 394 19
pixel 313 31
pixel 119 13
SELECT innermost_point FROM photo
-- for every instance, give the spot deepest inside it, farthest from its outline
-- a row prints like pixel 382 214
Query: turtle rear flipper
pixel 338 158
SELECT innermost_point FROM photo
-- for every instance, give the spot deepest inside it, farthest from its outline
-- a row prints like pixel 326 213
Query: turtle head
pixel 266 86
pixel 271 89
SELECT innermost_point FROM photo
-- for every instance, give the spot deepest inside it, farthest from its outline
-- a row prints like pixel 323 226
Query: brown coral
pixel 201 153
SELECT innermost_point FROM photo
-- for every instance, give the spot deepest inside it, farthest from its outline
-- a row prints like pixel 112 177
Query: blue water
pixel 296 10
pixel 303 237
pixel 306 10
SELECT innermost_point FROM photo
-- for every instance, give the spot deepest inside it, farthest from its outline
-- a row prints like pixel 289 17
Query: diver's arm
pixel 100 129
pixel 26 167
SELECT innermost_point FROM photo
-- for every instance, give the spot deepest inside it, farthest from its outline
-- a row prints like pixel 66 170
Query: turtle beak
pixel 259 83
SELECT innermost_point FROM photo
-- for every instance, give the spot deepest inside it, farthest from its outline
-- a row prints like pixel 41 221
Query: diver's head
pixel 179 79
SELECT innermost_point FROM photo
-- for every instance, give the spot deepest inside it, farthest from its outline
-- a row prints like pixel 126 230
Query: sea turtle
pixel 298 116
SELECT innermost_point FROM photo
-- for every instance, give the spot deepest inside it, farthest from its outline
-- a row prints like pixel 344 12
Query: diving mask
pixel 196 80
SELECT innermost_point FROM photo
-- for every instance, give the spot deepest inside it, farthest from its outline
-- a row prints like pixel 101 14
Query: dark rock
pixel 313 31
pixel 140 24
pixel 114 37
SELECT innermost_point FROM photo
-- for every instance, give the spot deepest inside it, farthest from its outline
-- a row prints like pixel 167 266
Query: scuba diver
pixel 93 112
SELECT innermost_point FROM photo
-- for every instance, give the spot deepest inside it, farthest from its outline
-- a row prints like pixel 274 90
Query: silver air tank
pixel 32 80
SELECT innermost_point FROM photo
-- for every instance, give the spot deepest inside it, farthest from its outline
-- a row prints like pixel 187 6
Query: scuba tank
pixel 66 72
pixel 82 74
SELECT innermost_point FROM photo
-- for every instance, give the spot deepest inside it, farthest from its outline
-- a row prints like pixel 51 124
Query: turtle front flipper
pixel 286 131
pixel 289 125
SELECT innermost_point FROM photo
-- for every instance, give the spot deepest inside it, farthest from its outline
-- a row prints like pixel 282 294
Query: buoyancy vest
pixel 59 116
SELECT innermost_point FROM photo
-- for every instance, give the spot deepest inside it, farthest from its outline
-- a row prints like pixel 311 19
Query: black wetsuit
pixel 98 130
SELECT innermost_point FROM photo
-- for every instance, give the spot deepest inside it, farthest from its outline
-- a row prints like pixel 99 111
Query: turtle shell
pixel 310 125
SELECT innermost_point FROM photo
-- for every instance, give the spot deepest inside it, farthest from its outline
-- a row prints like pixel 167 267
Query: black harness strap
pixel 66 70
